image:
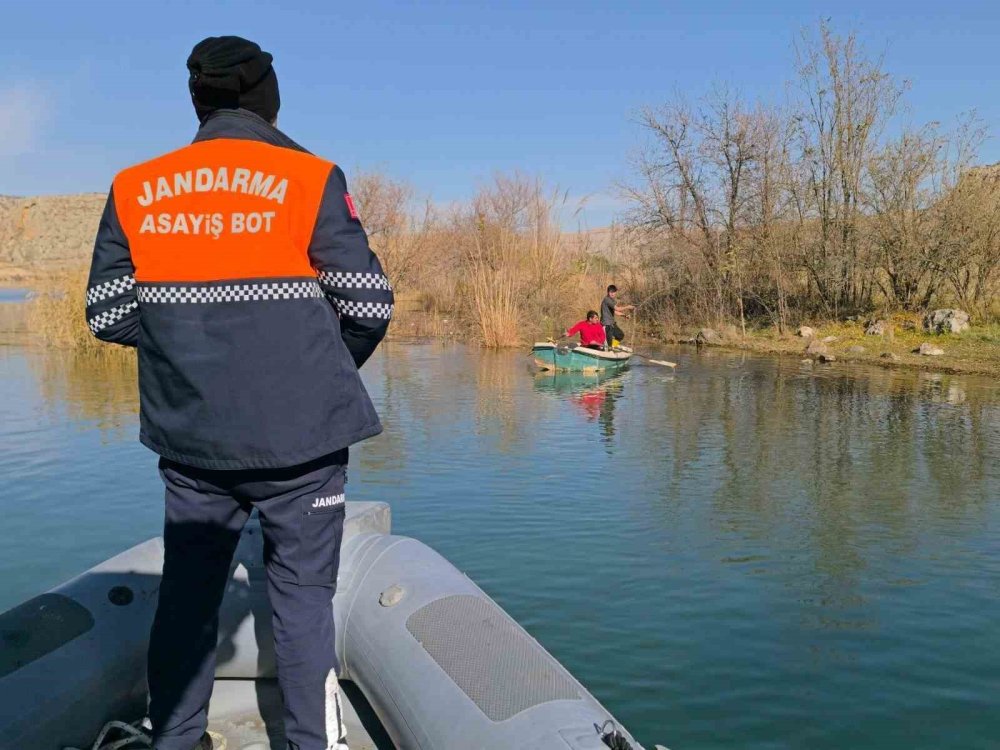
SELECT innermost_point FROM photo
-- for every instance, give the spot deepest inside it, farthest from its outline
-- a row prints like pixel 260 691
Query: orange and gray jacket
pixel 238 267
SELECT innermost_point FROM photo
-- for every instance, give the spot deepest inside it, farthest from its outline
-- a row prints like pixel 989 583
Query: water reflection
pixel 500 403
pixel 13 324
pixel 95 388
pixel 593 395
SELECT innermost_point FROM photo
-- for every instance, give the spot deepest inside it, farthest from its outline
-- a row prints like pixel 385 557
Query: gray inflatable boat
pixel 428 660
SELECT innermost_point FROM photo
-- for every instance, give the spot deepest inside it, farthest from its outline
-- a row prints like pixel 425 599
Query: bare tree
pixel 968 220
pixel 770 210
pixel 902 192
pixel 844 101
pixel 397 226
pixel 753 211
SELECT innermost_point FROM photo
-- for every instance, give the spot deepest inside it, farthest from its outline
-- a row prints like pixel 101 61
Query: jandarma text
pixel 209 180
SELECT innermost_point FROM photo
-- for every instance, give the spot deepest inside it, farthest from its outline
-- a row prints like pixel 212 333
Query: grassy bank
pixel 976 351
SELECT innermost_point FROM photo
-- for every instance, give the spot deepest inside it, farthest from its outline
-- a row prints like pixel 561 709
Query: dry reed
pixel 56 316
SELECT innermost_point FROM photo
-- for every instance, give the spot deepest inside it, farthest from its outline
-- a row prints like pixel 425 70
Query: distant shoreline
pixel 975 352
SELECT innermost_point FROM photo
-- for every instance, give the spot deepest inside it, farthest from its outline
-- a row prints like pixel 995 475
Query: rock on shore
pixel 708 336
pixel 816 347
pixel 946 320
pixel 929 350
pixel 877 327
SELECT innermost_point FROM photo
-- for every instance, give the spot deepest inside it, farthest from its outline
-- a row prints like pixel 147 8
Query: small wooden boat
pixel 572 358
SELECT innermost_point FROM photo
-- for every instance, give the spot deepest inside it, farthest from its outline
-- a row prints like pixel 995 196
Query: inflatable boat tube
pixel 441 664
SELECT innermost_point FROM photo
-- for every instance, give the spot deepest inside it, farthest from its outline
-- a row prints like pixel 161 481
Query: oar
pixel 661 362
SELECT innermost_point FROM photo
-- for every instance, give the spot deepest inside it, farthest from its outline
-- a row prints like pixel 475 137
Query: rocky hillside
pixel 48 229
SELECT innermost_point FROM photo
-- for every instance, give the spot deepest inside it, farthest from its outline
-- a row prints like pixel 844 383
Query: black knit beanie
pixel 228 72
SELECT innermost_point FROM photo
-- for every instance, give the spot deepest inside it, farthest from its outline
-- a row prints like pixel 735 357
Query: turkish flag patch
pixel 350 206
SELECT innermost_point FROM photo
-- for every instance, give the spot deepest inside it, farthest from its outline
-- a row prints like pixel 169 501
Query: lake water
pixel 747 553
pixel 13 294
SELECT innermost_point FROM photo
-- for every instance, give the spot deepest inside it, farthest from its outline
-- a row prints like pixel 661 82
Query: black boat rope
pixel 612 737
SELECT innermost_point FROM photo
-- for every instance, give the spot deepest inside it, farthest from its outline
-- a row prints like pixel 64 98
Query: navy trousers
pixel 301 511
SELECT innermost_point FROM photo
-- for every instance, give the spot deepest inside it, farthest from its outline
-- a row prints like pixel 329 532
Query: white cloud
pixel 23 112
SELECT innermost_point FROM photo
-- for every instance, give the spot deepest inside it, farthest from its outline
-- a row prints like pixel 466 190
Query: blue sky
pixel 444 94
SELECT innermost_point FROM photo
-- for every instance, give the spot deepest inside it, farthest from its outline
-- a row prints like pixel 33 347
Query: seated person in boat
pixel 591 331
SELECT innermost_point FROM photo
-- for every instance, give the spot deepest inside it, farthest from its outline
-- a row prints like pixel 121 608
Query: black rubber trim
pixel 38 627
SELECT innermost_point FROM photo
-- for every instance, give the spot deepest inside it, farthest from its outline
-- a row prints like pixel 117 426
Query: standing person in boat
pixel 238 267
pixel 591 331
pixel 609 309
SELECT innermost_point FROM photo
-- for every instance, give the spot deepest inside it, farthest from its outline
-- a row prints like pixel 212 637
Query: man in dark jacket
pixel 609 309
pixel 238 267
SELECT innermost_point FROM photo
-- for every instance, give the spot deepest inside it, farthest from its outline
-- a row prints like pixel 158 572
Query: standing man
pixel 238 267
pixel 609 307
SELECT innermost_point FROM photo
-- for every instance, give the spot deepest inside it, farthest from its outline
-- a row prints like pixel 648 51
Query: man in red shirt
pixel 591 331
